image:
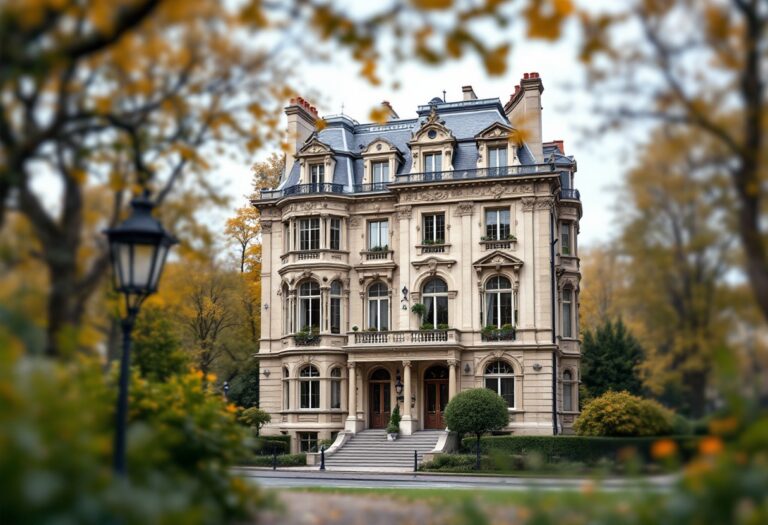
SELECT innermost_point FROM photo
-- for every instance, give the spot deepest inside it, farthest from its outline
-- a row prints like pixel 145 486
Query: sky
pixel 567 111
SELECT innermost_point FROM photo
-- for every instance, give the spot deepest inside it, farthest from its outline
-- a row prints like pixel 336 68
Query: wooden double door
pixel 379 399
pixel 435 397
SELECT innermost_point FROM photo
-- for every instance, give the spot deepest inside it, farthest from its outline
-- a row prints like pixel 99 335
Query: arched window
pixel 335 307
pixel 310 387
pixel 568 386
pixel 380 374
pixel 436 302
pixel 499 303
pixel 336 388
pixel 286 390
pixel 309 306
pixel 378 307
pixel 500 377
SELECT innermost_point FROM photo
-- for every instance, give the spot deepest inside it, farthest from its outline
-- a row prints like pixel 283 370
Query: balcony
pixel 311 256
pixel 302 189
pixel 400 337
pixel 570 194
pixel 426 248
pixel 473 174
pixel 377 254
pixel 499 244
pixel 489 334
pixel 372 187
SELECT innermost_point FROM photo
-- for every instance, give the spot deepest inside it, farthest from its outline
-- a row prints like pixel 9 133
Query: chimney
pixel 469 93
pixel 391 113
pixel 301 123
pixel 560 145
pixel 524 112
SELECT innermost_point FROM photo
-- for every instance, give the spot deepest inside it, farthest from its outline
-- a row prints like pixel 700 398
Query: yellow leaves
pixel 368 71
pixel 663 449
pixel 545 18
pixel 100 15
pixel 495 61
pixel 321 124
pixel 379 115
pixel 102 105
pixel 432 4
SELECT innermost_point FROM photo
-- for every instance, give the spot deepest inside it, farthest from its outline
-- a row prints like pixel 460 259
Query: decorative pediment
pixel 497 130
pixel 381 146
pixel 432 263
pixel 497 260
pixel 433 130
pixel 314 146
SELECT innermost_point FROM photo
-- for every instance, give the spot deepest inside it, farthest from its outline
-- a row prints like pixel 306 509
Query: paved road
pixel 286 478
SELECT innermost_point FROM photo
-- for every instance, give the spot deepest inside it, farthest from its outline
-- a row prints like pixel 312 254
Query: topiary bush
pixel 622 414
pixel 476 411
pixel 254 418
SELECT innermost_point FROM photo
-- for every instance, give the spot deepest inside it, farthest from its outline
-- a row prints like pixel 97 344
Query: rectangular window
pixel 497 224
pixel 310 394
pixel 434 228
pixel 309 234
pixel 497 161
pixel 565 238
pixel 380 174
pixel 433 165
pixel 378 235
pixel 567 396
pixel 335 315
pixel 336 393
pixel 307 441
pixel 316 176
pixel 286 399
pixel 335 243
pixel 567 313
pixel 504 386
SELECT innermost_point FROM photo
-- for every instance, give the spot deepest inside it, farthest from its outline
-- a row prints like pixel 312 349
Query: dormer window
pixel 497 160
pixel 316 176
pixel 379 174
pixel 433 165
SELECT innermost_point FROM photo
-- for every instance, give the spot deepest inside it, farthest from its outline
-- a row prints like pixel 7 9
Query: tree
pixel 267 174
pixel 695 66
pixel 255 418
pixel 147 92
pixel 610 360
pixel 244 230
pixel 157 345
pixel 244 384
pixel 477 411
pixel 622 414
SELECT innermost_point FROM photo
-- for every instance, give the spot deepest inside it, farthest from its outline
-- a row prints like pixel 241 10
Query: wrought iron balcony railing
pixel 303 189
pixel 369 188
pixel 570 194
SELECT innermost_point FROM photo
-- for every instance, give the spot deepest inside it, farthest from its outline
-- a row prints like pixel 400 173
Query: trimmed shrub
pixel 588 450
pixel 267 447
pixel 451 462
pixel 285 460
pixel 622 414
pixel 477 411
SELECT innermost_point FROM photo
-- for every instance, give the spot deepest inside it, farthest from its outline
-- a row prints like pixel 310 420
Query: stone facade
pixel 452 211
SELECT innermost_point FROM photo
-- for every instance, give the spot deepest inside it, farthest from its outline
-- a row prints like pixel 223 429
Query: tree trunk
pixel 63 311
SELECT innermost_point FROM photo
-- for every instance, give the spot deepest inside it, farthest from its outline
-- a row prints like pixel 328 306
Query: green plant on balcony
pixel 371 329
pixel 507 332
pixel 442 326
pixel 484 238
pixel 308 335
pixel 383 248
pixel 427 326
pixel 355 328
pixel 511 237
pixel 419 309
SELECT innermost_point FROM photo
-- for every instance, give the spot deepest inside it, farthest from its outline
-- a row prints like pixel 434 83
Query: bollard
pixel 322 457
pixel 274 458
pixel 415 460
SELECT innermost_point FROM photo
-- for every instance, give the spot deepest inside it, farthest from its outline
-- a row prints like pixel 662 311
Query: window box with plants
pixel 308 336
pixel 507 332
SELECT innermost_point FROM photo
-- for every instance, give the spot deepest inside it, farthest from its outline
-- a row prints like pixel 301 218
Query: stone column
pixel 406 424
pixel 452 363
pixel 352 423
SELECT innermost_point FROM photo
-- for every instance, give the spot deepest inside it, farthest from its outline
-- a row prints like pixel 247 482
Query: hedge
pixel 268 445
pixel 284 460
pixel 589 450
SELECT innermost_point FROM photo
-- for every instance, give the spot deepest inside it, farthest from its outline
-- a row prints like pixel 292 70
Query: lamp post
pixel 226 390
pixel 399 387
pixel 138 248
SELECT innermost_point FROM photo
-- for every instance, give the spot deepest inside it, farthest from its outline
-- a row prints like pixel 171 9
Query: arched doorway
pixel 435 396
pixel 379 400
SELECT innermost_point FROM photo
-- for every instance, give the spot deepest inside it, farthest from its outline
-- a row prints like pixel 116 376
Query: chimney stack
pixel 301 123
pixel 524 112
pixel 469 93
pixel 391 113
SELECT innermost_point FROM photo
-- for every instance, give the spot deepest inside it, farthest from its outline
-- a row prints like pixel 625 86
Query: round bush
pixel 622 414
pixel 476 411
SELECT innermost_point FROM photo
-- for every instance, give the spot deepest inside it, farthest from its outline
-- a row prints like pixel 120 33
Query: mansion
pixel 406 261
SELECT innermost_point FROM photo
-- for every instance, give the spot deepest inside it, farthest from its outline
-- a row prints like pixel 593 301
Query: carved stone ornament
pixel 266 227
pixel 497 260
pixel 496 191
pixel 464 208
pixel 354 222
pixel 404 212
pixel 528 203
pixel 545 203
pixel 432 263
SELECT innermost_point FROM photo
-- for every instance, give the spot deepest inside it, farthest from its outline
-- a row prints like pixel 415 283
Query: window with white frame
pixel 500 377
pixel 497 161
pixel 379 174
pixel 335 234
pixel 336 388
pixel 309 387
pixel 335 307
pixel 565 238
pixel 378 234
pixel 378 307
pixel 434 228
pixel 567 312
pixel 309 234
pixel 286 390
pixel 316 176
pixel 433 165
pixel 497 225
pixel 568 386
pixel 309 306
pixel 500 307
pixel 435 296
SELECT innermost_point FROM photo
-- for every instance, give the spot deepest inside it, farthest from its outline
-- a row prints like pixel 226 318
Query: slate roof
pixel 348 138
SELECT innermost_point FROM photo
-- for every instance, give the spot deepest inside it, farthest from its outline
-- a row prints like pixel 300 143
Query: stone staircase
pixel 370 450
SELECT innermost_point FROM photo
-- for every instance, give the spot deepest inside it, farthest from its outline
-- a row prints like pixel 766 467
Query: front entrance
pixel 379 399
pixel 435 396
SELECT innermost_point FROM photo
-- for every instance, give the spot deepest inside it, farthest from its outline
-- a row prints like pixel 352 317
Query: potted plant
pixel 511 237
pixel 307 335
pixel 355 328
pixel 371 329
pixel 427 326
pixel 393 429
pixel 419 309
pixel 442 326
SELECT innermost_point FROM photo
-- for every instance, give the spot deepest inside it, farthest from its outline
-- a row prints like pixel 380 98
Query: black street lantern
pixel 398 387
pixel 138 248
